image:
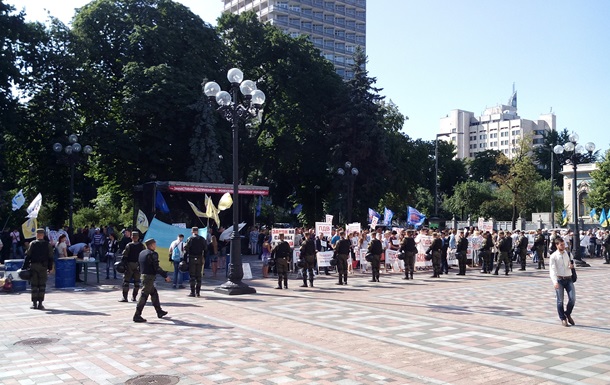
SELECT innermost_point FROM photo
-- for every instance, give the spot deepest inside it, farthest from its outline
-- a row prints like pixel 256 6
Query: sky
pixel 433 56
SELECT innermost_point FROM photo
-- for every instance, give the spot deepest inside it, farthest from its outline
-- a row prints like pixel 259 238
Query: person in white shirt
pixel 561 274
pixel 176 254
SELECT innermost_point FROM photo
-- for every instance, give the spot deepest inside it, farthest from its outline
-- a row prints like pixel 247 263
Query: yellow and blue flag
pixel 603 219
pixel 564 217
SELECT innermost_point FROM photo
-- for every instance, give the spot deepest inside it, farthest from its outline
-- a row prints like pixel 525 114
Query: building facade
pixel 335 27
pixel 497 128
pixel 583 186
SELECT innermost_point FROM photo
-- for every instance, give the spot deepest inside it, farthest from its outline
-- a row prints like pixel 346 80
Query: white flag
pixel 142 222
pixel 34 207
pixel 18 200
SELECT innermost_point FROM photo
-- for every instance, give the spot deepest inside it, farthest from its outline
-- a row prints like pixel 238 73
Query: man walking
pixel 561 275
pixel 195 250
pixel 460 252
pixel 504 246
pixel 149 266
pixel 539 248
pixel 39 259
pixel 522 250
pixel 131 256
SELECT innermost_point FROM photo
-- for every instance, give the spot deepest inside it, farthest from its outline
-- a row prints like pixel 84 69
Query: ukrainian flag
pixel 603 219
pixel 564 217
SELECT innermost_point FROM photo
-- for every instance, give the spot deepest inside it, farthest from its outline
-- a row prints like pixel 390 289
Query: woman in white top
pixel 61 247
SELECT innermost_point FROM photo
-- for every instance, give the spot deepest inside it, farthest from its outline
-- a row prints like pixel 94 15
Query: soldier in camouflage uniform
pixel 39 259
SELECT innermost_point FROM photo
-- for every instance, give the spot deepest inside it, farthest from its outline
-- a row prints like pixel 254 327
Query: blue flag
pixel 414 217
pixel 603 219
pixel 259 205
pixel 160 203
pixel 593 213
pixel 373 213
pixel 387 216
pixel 297 209
pixel 18 200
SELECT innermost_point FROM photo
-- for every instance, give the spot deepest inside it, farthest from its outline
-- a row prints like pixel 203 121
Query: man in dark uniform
pixel 195 249
pixel 522 250
pixel 485 253
pixel 149 267
pixel 281 253
pixel 504 246
pixel 409 248
pixel 606 242
pixel 132 270
pixel 308 256
pixel 444 251
pixel 39 259
pixel 539 248
pixel 342 250
pixel 375 249
pixel 460 253
pixel 436 249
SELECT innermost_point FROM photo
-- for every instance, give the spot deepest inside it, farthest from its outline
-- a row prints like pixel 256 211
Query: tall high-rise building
pixel 497 128
pixel 336 27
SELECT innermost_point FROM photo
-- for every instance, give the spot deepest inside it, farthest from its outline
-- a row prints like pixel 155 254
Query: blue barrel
pixel 10 270
pixel 65 272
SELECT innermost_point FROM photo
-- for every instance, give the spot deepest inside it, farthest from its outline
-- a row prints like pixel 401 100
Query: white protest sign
pixel 324 258
pixel 425 241
pixel 324 229
pixel 296 254
pixel 247 270
pixel 288 236
pixel 353 227
pixel 374 222
pixel 329 218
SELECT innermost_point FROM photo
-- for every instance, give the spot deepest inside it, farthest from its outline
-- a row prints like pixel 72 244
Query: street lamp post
pixel 234 111
pixel 436 173
pixel 574 151
pixel 72 151
pixel 351 173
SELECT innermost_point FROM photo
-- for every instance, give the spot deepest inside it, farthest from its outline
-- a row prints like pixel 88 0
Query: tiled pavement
pixel 477 329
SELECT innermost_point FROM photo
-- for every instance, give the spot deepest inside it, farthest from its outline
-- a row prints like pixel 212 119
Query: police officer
pixel 504 246
pixel 132 270
pixel 39 259
pixel 539 248
pixel 342 249
pixel 375 248
pixel 436 248
pixel 308 257
pixel 522 250
pixel 460 253
pixel 149 267
pixel 281 253
pixel 409 248
pixel 485 253
pixel 195 249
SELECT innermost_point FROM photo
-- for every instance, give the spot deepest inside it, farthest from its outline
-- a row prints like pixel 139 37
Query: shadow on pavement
pixel 177 322
pixel 233 298
pixel 175 304
pixel 75 312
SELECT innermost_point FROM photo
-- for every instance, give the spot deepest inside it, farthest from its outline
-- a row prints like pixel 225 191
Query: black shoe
pixel 133 299
pixel 41 307
pixel 339 283
pixel 303 285
pixel 495 273
pixel 506 273
pixel 34 306
pixel 285 287
pixel 405 277
pixel 138 319
pixel 191 294
pixel 161 314
pixel 461 274
pixel 373 280
pixel 521 269
pixel 311 284
pixel 79 280
pixel 123 300
pixel 107 277
pixel 570 320
pixel 198 295
pixel 279 287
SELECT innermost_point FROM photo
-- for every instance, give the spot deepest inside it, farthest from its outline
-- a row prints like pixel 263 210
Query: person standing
pixel 176 254
pixel 444 253
pixel 39 259
pixel 522 250
pixel 112 247
pixel 266 255
pixel 375 249
pixel 195 250
pixel 308 255
pixel 213 254
pixel 281 253
pixel 148 260
pixel 436 249
pixel 560 270
pixel 97 240
pixel 504 246
pixel 485 253
pixel 342 250
pixel 461 252
pixel 539 248
pixel 131 256
pixel 409 248
pixel 17 248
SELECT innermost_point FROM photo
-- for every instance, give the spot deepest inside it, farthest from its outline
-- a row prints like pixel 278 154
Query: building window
pixel 453 130
pixel 538 141
pixel 329 18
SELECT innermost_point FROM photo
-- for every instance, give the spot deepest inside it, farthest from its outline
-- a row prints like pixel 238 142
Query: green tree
pixel 599 196
pixel 482 167
pixel 468 199
pixel 520 177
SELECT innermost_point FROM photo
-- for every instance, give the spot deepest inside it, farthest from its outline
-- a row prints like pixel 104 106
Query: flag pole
pixel 9 217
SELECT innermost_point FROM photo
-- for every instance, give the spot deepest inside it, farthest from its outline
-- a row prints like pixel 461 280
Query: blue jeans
pixel 110 260
pixel 177 274
pixel 17 251
pixel 567 285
